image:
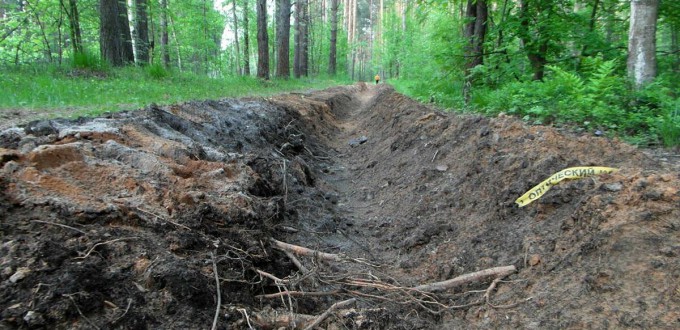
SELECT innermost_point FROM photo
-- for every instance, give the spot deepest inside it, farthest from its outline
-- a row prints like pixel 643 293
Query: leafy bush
pixel 597 99
pixel 86 60
pixel 157 71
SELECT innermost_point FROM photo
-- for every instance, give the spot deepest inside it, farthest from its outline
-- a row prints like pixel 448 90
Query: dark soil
pixel 118 222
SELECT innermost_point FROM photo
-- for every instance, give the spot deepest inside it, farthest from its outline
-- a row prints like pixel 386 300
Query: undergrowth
pixel 90 89
pixel 599 99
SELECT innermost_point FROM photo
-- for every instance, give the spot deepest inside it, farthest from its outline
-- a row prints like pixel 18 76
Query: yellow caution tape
pixel 567 173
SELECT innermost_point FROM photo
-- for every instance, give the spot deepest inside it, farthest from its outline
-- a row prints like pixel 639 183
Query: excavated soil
pixel 126 221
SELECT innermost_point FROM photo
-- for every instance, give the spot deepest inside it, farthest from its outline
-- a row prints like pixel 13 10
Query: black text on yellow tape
pixel 567 173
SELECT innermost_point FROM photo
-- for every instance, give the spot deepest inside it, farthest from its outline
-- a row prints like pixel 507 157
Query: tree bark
pixel 304 61
pixel 262 40
pixel 475 32
pixel 238 49
pixel 641 62
pixel 246 40
pixel 126 35
pixel 283 39
pixel 165 48
pixel 141 32
pixel 114 47
pixel 299 38
pixel 332 57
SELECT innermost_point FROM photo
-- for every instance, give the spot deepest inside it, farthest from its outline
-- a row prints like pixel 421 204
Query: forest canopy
pixel 604 66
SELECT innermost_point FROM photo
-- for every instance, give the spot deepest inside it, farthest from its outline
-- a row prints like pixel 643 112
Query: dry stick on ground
pixel 300 250
pixel 219 295
pixel 330 310
pixel 487 296
pixel 498 272
pixel 162 218
pixel 285 185
pixel 126 310
pixel 306 252
pixel 271 277
pixel 103 243
pixel 60 225
pixel 296 262
pixel 298 294
pixel 245 313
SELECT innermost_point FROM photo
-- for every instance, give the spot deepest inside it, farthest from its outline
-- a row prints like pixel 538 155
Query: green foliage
pixel 86 60
pixel 127 88
pixel 596 99
pixel 157 71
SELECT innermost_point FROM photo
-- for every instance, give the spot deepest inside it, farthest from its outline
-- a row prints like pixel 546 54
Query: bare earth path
pixel 130 221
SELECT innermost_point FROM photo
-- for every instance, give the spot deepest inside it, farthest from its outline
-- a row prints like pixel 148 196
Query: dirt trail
pixel 120 222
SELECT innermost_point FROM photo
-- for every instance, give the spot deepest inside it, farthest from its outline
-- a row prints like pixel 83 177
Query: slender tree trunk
pixel 141 32
pixel 591 25
pixel 642 41
pixel 298 38
pixel 238 48
pixel 675 48
pixel 345 14
pixel 73 24
pixel 332 57
pixel 46 42
pixel 246 41
pixel 60 38
pixel 165 48
pixel 475 33
pixel 304 53
pixel 262 40
pixel 177 45
pixel 535 45
pixel 283 39
pixel 124 26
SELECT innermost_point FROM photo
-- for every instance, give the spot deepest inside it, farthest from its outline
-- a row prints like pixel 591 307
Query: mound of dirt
pixel 183 216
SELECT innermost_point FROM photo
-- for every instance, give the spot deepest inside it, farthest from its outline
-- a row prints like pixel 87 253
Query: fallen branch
pixel 303 251
pixel 219 295
pixel 498 272
pixel 271 277
pixel 306 252
pixel 296 262
pixel 298 294
pixel 330 310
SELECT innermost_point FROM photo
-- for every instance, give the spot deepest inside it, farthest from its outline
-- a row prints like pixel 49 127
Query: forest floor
pixel 336 209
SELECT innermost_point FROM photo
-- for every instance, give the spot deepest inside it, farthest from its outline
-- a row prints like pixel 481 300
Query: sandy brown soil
pixel 120 222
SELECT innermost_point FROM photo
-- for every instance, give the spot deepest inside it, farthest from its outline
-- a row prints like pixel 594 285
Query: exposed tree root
pixel 368 286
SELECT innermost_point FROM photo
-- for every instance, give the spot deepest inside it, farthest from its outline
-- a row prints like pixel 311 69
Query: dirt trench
pixel 126 221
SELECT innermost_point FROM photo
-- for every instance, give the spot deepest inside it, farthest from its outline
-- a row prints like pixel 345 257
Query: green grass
pixel 83 92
